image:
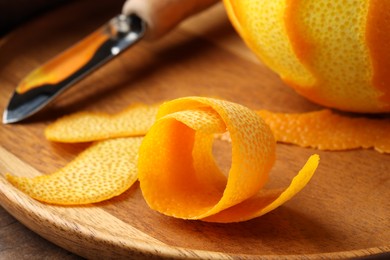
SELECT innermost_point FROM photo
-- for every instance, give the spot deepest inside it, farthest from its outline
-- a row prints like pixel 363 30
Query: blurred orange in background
pixel 335 53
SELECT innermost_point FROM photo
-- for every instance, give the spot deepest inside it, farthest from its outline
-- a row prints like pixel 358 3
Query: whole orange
pixel 333 52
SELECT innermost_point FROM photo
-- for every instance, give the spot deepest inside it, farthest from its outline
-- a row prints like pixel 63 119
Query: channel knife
pixel 45 83
pixel 148 19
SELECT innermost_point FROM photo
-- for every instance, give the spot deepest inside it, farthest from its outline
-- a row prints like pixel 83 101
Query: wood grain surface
pixel 342 213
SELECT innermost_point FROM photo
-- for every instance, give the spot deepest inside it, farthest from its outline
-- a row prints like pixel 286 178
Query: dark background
pixel 15 12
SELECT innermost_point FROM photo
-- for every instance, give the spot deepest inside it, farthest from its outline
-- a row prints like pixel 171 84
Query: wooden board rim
pixel 29 212
pixel 168 70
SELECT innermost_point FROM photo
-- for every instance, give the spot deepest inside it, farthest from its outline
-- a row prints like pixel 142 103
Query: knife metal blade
pixel 45 83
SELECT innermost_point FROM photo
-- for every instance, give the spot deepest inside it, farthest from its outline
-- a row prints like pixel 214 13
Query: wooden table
pixel 18 242
pixel 343 212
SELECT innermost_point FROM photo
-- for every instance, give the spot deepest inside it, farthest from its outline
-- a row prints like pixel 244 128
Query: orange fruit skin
pixel 378 41
pixel 334 53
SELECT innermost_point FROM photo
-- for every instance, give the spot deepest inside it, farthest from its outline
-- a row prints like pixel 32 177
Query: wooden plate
pixel 343 212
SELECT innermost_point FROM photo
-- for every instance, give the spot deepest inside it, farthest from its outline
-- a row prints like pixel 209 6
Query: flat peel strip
pixel 104 170
pixel 87 126
pixel 172 179
pixel 327 130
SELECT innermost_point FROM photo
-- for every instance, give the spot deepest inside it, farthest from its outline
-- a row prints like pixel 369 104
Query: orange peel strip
pixel 326 130
pixel 87 126
pixel 104 170
pixel 178 176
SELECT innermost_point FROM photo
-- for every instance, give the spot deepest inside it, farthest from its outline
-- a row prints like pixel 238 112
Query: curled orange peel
pixel 177 173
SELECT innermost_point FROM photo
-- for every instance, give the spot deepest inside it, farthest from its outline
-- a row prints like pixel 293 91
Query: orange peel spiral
pixel 178 175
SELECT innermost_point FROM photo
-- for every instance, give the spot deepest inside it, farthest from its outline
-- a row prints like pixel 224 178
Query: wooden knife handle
pixel 163 15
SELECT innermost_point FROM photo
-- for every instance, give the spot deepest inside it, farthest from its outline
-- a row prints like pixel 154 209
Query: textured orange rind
pixel 334 53
pixel 324 130
pixel 104 170
pixel 327 130
pixel 87 126
pixel 175 160
pixel 177 172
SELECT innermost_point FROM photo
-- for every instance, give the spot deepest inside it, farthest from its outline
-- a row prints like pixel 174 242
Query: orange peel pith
pixel 172 180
